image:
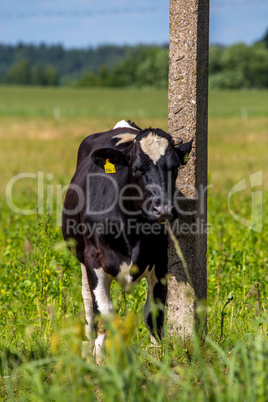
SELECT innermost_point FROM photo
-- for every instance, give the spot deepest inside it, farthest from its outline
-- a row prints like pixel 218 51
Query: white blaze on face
pixel 154 146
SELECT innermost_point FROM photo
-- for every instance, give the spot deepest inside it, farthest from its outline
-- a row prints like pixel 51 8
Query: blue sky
pixel 83 23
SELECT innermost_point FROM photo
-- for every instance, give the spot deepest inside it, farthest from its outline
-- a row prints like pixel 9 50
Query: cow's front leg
pixel 154 309
pixel 100 284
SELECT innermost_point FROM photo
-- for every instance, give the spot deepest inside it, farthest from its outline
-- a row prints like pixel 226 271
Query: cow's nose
pixel 163 211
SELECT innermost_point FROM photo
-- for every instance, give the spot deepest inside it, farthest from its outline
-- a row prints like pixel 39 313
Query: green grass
pixel 41 309
pixel 71 102
pixel 105 102
pixel 243 103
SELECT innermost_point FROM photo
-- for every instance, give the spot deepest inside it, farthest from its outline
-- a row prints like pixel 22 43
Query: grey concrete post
pixel 188 103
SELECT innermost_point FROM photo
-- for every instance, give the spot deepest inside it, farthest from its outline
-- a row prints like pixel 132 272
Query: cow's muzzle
pixel 163 212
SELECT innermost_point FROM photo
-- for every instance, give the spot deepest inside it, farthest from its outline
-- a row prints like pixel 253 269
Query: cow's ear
pixel 117 158
pixel 183 152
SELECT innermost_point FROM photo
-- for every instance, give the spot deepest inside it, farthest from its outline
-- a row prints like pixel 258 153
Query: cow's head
pixel 153 160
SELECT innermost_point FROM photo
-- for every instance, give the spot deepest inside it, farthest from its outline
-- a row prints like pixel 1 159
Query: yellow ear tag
pixel 186 157
pixel 109 167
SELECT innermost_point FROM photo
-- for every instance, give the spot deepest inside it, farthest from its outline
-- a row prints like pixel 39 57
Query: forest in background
pixel 233 67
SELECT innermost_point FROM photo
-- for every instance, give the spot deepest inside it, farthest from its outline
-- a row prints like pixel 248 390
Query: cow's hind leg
pixel 104 307
pixel 154 309
pixel 100 284
pixel 89 314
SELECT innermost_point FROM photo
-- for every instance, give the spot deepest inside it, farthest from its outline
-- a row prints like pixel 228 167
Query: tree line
pixel 22 74
pixel 238 66
pixel 232 67
pixel 72 66
pixel 147 66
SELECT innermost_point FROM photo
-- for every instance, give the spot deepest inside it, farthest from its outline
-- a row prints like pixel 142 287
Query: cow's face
pixel 153 161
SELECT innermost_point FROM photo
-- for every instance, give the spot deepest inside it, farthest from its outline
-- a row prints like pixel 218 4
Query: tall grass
pixel 42 324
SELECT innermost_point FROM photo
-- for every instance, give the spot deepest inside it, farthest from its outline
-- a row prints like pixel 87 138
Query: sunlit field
pixel 41 309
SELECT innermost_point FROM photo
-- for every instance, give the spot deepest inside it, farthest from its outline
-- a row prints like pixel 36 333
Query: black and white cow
pixel 115 214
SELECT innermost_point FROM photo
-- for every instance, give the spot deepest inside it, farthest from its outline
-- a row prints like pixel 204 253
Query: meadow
pixel 41 309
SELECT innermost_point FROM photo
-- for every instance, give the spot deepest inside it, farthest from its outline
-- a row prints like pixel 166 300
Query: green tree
pixel 51 76
pixel 258 66
pixel 20 73
pixel 215 59
pixel 265 38
pixel 152 70
pixel 235 59
pixel 227 80
pixel 104 77
pixel 124 74
pixel 89 79
pixel 239 66
pixel 37 75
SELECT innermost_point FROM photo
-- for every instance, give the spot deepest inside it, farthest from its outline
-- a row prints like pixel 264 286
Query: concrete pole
pixel 188 104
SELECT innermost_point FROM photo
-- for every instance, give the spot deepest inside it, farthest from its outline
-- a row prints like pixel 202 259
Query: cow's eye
pixel 137 171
